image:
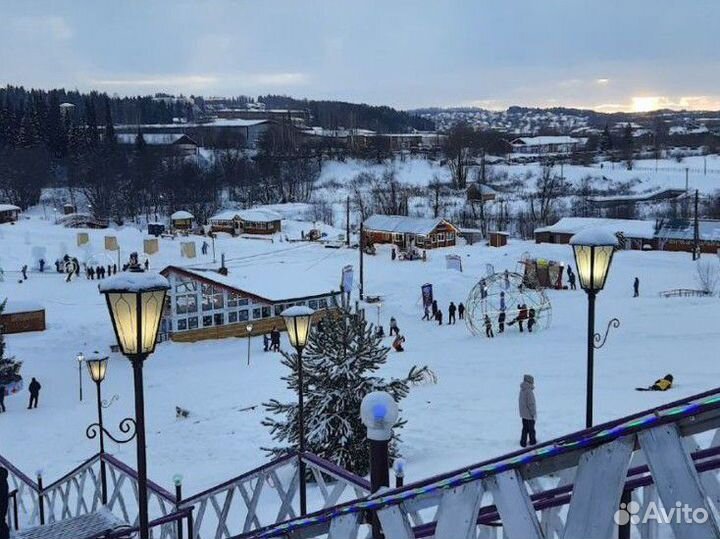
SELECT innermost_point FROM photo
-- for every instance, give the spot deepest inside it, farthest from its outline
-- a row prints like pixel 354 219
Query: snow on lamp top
pixel 128 281
pixel 297 310
pixel 593 237
pixel 399 467
pixel 297 322
pixel 379 412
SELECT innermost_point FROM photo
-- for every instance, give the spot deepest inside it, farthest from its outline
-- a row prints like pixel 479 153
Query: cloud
pixel 602 82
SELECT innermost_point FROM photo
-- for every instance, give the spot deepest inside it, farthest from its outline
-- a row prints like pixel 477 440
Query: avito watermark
pixel 680 514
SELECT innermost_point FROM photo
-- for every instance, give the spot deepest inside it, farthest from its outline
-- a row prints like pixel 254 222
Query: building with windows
pixel 547 145
pixel 207 304
pixel 253 221
pixel 407 232
pixel 9 213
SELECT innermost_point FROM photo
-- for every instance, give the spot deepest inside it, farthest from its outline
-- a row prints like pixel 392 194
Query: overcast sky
pixel 606 54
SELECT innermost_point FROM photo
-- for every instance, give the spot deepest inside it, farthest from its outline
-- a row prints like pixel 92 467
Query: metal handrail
pixel 126 531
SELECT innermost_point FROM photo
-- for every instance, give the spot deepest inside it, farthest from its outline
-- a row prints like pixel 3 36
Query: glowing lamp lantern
pixel 136 302
pixel 97 367
pixel 593 251
pixel 298 322
pixel 379 412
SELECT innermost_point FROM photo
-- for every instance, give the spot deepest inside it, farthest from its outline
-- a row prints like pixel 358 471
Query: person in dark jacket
pixel 2 399
pixel 461 311
pixel 91 273
pixel 531 319
pixel 34 389
pixel 501 322
pixel 434 309
pixel 571 278
pixel 266 342
pixel 636 287
pixel 522 316
pixel 426 315
pixel 42 265
pixel 114 269
pixel 528 410
pixel 24 272
pixel 394 329
pixel 451 313
pixel 147 266
pixel 275 339
pixel 57 266
pixel 488 328
pixel 393 255
pixel 438 317
pixel 4 503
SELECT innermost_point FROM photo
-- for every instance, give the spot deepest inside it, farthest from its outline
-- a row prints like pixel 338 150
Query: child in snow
pixel 531 320
pixel 488 328
pixel 394 329
pixel 660 385
pixel 398 343
pixel 438 317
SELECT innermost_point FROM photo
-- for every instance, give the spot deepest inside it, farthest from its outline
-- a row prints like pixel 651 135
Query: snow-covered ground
pixel 469 415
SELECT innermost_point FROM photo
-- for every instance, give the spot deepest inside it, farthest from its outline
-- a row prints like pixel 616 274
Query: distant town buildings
pixel 253 221
pixel 408 232
pixel 547 145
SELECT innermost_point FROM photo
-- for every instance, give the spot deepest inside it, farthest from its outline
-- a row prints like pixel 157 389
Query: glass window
pixel 207 297
pixel 186 303
pixel 232 317
pixel 313 304
pixel 278 309
pixel 193 322
pixel 184 285
pixel 243 301
pixel 232 299
pixel 450 236
pixel 219 319
pixel 266 312
pixel 207 321
pixel 182 324
pixel 323 304
pixel 243 315
pixel 441 236
pixel 256 313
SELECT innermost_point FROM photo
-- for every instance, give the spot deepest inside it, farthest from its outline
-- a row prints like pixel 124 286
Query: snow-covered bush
pixel 708 275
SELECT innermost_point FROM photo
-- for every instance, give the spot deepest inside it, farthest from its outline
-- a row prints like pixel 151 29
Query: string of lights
pixel 592 439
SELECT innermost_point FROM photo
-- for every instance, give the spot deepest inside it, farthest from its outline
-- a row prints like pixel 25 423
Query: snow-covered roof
pixel 684 229
pixel 181 214
pixel 253 215
pixel 274 282
pixel 9 207
pixel 14 307
pixel 402 224
pixel 131 281
pixel 632 228
pixel 544 140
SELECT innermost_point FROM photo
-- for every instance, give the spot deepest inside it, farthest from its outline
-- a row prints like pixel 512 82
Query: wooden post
pixel 362 274
pixel 347 222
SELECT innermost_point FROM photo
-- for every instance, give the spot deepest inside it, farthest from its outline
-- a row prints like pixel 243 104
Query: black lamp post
pixel 298 322
pixel 80 359
pixel 136 301
pixel 98 369
pixel 249 329
pixel 594 251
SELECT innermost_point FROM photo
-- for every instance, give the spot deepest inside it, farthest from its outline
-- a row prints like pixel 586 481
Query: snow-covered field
pixel 469 415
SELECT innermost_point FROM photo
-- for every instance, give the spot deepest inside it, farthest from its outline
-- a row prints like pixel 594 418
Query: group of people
pixel 100 271
pixel 524 316
pixel 433 312
pixel 34 390
pixel 271 342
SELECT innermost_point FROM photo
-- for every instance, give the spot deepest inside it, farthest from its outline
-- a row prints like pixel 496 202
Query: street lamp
pixel 97 367
pixel 298 321
pixel 80 359
pixel 136 301
pixel 379 412
pixel 593 251
pixel 248 328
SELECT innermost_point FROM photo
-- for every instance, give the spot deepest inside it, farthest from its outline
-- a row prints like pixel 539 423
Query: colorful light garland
pixel 469 476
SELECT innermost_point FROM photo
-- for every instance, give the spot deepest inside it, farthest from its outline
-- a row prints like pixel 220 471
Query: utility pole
pixel 696 231
pixel 361 246
pixel 687 180
pixel 347 221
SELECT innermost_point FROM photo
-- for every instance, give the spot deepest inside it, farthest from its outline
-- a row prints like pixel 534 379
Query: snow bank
pixel 594 236
pixel 130 281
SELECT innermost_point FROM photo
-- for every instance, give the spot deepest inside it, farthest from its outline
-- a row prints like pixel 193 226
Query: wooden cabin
pixel 252 221
pixel 9 213
pixel 207 304
pixel 407 232
pixel 182 220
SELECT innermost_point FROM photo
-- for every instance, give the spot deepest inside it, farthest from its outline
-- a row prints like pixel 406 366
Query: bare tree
pixel 708 275
pixel 549 187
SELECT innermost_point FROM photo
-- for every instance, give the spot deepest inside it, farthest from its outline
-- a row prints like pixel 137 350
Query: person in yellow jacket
pixel 663 384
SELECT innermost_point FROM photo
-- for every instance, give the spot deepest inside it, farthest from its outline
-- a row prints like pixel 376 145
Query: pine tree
pixel 606 142
pixel 9 366
pixel 340 364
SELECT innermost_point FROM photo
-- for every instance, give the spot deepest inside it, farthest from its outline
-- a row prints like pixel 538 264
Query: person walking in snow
pixel 636 287
pixel 90 273
pixel 461 311
pixel 434 309
pixel 488 328
pixel 266 342
pixel 438 317
pixel 24 272
pixel 483 293
pixel 426 316
pixel 522 315
pixel 57 266
pixel 275 339
pixel 2 399
pixel 506 277
pixel 503 306
pixel 571 278
pixel 531 320
pixel 147 266
pixel 451 313
pixel 393 255
pixel 42 265
pixel 34 389
pixel 394 330
pixel 501 322
pixel 528 410
pixel 114 269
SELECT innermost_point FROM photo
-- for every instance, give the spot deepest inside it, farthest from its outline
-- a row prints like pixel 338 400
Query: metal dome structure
pixel 486 297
